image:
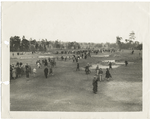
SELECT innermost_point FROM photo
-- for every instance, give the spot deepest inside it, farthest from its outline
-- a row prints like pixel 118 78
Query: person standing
pixel 100 74
pixel 46 62
pixel 78 66
pixel 22 69
pixel 38 65
pixel 51 70
pixel 26 66
pixel 95 86
pixel 76 59
pixel 97 73
pixel 20 64
pixel 27 72
pixel 19 71
pixel 73 59
pixel 13 73
pixel 108 75
pixel 65 58
pixel 34 72
pixel 46 71
pixel 132 52
pixel 110 65
pixel 126 63
pixel 87 69
pixel 97 69
pixel 30 70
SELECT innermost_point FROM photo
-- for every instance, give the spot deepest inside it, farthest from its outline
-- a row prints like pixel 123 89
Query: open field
pixel 70 90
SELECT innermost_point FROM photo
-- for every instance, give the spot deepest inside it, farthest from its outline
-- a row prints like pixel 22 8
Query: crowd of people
pixel 99 73
pixel 19 69
pixel 98 77
pixel 96 51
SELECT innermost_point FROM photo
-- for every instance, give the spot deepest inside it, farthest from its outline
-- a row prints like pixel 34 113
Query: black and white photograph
pixel 75 56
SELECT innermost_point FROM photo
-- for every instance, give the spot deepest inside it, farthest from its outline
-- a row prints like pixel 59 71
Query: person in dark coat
pixel 19 71
pixel 46 62
pixel 27 72
pixel 95 86
pixel 54 63
pixel 126 63
pixel 62 58
pixel 20 64
pixel 22 69
pixel 87 69
pixel 108 75
pixel 73 59
pixel 76 59
pixel 78 66
pixel 30 70
pixel 17 64
pixel 26 66
pixel 49 59
pixel 132 51
pixel 46 71
pixel 65 58
pixel 110 65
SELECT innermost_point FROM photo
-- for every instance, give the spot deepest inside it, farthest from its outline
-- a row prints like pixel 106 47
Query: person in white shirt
pixel 34 72
pixel 38 64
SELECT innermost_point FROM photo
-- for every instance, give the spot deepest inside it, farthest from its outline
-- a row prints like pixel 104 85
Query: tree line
pixel 18 44
pixel 23 44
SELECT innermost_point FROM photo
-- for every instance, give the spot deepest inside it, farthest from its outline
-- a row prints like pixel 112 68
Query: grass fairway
pixel 70 90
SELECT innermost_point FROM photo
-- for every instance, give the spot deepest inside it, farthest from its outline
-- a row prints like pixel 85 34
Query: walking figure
pixel 27 72
pixel 46 71
pixel 108 75
pixel 13 73
pixel 78 66
pixel 34 72
pixel 87 70
pixel 95 86
pixel 100 74
pixel 51 70
pixel 110 65
pixel 132 52
pixel 97 69
pixel 126 63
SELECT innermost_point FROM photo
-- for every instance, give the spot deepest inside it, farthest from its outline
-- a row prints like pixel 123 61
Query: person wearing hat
pixel 95 86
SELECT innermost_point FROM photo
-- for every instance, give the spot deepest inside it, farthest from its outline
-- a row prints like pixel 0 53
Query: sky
pixel 97 22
